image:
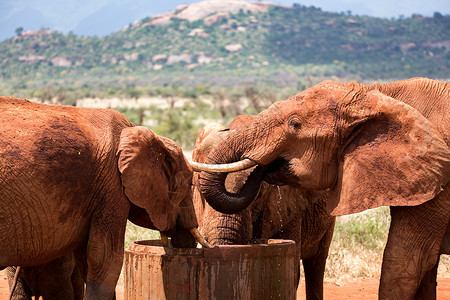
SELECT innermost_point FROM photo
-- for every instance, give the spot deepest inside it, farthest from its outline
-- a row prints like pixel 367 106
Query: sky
pixel 111 15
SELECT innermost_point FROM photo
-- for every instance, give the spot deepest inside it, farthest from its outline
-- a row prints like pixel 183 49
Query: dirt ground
pixel 358 289
pixel 366 289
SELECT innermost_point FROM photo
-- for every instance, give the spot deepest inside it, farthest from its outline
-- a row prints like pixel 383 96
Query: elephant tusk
pixel 164 239
pixel 199 238
pixel 222 168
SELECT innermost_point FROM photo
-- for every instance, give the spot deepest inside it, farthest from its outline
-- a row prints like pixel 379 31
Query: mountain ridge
pixel 257 43
pixel 200 10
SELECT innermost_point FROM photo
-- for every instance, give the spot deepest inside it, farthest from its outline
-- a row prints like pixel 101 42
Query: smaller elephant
pixel 62 278
pixel 278 212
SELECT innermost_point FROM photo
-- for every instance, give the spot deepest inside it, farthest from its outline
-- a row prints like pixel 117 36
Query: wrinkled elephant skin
pixel 370 146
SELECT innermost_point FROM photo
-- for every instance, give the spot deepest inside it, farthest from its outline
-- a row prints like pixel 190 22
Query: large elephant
pixel 71 177
pixel 379 145
pixel 278 212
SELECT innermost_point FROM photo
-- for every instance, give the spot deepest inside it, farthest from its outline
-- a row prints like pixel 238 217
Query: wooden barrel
pixel 258 271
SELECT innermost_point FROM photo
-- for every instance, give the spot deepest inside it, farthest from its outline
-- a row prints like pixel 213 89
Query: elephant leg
pixel 104 263
pixel 105 252
pixel 427 288
pixel 79 273
pixel 445 246
pixel 78 283
pixel 56 287
pixel 314 268
pixel 54 278
pixel 412 249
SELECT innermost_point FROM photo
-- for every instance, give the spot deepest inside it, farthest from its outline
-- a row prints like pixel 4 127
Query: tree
pixel 19 30
pixel 438 15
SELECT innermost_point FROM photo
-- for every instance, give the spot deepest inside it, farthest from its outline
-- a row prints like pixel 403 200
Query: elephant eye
pixel 294 123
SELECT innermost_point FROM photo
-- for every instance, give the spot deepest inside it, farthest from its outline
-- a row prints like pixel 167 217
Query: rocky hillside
pixel 230 42
pixel 212 9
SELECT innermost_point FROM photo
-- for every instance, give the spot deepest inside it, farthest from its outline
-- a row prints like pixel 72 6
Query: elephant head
pixel 347 137
pixel 219 228
pixel 273 208
pixel 157 180
pixel 282 212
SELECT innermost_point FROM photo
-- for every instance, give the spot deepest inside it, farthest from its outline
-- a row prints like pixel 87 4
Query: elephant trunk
pixel 234 229
pixel 212 186
pixel 243 144
pixel 186 234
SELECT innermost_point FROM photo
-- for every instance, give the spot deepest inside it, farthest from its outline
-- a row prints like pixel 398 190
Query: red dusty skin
pixel 259 271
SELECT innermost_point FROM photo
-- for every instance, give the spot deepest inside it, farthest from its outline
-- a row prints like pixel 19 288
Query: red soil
pixel 365 289
pixel 352 289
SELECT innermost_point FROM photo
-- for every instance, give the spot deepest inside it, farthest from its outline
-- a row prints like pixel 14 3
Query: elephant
pixel 367 146
pixel 62 278
pixel 70 177
pixel 284 212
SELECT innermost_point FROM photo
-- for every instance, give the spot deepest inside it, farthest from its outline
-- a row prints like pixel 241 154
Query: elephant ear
pixel 145 165
pixel 393 157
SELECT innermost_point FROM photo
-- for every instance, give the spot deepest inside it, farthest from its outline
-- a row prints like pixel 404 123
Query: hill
pixel 227 43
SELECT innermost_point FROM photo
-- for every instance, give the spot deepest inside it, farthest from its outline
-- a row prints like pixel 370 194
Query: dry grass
pixel 357 247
